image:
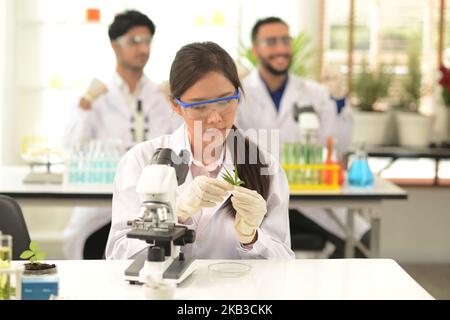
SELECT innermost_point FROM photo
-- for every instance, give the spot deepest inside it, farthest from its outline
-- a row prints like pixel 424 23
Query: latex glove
pixel 203 192
pixel 250 209
pixel 96 88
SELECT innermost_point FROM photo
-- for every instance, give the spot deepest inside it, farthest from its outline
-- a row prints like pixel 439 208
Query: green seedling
pixel 33 254
pixel 232 179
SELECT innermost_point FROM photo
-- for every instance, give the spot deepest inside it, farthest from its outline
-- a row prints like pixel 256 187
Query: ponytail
pixel 249 165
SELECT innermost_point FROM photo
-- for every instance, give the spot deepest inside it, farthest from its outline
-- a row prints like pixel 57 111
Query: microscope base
pixel 178 270
pixel 132 272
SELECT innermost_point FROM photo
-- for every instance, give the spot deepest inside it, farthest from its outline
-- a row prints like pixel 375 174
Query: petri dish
pixel 229 269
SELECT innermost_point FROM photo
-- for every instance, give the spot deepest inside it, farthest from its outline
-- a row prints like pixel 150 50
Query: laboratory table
pixel 355 199
pixel 397 152
pixel 267 279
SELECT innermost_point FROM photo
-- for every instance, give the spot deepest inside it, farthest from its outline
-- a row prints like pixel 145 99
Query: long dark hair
pixel 191 63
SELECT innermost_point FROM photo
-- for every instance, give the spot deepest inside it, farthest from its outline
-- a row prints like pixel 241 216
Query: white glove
pixel 96 88
pixel 250 209
pixel 203 192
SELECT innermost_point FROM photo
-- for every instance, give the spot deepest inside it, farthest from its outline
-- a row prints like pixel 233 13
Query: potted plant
pixel 414 129
pixel 445 93
pixel 445 83
pixel 34 267
pixel 370 123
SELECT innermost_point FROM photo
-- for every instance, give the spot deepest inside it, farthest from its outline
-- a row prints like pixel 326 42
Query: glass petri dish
pixel 229 269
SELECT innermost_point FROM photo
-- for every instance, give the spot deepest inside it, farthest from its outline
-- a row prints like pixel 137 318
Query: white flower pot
pixel 370 128
pixel 414 129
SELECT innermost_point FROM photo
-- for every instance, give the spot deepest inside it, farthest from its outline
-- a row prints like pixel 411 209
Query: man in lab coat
pixel 272 98
pixel 129 107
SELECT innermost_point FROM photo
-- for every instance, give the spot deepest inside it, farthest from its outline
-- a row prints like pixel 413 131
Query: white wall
pixel 2 67
pixel 9 146
pixel 417 230
pixel 56 45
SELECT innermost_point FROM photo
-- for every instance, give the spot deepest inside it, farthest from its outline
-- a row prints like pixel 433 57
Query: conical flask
pixel 359 173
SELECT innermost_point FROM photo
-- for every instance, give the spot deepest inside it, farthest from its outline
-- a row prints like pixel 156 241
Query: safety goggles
pixel 273 41
pixel 202 109
pixel 132 41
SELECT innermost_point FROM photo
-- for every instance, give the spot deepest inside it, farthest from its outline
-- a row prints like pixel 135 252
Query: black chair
pixel 304 237
pixel 94 247
pixel 307 242
pixel 13 223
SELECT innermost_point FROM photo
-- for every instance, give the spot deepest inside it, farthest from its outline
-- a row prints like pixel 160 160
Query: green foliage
pixel 33 254
pixel 301 56
pixel 412 84
pixel 446 96
pixel 445 83
pixel 246 57
pixel 232 179
pixel 371 86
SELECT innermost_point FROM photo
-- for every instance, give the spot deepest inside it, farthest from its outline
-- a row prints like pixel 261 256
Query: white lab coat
pixel 110 115
pixel 215 236
pixel 109 118
pixel 257 111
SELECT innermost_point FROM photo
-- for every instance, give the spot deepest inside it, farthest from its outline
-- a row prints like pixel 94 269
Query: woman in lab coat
pixel 230 223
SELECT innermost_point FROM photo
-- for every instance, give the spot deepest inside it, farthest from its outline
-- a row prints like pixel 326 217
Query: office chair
pixel 13 223
pixel 94 247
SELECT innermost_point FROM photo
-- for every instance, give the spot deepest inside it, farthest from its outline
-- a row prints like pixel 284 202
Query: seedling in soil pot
pixel 33 254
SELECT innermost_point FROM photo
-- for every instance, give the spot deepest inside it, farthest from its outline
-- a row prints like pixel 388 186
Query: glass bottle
pixel 5 263
pixel 359 173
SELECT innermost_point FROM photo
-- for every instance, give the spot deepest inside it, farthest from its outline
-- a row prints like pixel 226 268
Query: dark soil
pixel 39 266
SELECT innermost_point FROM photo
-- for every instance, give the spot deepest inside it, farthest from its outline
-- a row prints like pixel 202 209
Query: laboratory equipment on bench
pixel 359 174
pixel 94 162
pixel 332 158
pixel 229 269
pixel 303 161
pixel 158 223
pixel 45 158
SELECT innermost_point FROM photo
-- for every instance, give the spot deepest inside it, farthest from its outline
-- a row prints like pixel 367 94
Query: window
pixel 384 32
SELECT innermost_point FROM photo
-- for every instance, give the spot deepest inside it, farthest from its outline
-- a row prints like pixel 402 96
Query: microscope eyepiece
pixel 167 156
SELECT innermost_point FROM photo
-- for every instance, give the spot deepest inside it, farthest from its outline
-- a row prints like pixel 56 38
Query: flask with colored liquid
pixel 332 158
pixel 359 173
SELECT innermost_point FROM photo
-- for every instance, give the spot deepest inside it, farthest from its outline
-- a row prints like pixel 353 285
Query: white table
pixel 268 279
pixel 66 195
pixel 355 200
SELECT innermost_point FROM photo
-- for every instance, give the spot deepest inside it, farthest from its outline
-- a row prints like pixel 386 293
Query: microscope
pixel 158 222
pixel 306 118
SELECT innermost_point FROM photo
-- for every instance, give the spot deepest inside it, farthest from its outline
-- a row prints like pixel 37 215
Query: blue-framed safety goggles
pixel 237 96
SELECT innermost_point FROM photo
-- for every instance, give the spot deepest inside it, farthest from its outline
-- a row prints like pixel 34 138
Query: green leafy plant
pixel 445 83
pixel 33 254
pixel 370 86
pixel 301 56
pixel 412 84
pixel 232 179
